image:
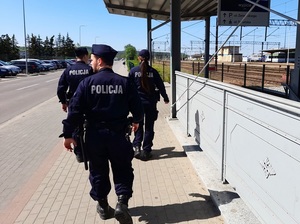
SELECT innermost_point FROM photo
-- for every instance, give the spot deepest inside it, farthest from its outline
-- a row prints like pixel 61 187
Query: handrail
pixel 274 101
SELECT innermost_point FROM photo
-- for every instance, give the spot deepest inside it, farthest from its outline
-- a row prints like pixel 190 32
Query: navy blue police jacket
pixel 70 79
pixel 105 97
pixel 155 83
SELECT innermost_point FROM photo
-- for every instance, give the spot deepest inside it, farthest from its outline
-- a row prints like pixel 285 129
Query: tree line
pixel 59 47
pixel 53 47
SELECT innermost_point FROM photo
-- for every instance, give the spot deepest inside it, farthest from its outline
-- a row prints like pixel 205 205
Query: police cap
pixel 81 51
pixel 104 51
pixel 144 54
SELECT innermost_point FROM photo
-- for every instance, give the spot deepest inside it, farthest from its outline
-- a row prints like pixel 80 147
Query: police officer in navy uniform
pixel 150 86
pixel 106 99
pixel 67 84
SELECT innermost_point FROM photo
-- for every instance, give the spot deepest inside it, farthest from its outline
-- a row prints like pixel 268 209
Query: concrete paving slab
pixel 56 189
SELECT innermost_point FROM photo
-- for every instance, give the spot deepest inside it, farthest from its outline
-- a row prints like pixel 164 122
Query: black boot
pixel 104 210
pixel 137 151
pixel 145 155
pixel 122 212
pixel 79 158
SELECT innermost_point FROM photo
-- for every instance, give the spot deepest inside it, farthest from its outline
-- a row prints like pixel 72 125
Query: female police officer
pixel 106 99
pixel 149 86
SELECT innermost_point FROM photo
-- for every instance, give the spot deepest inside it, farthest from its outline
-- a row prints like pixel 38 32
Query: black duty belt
pixel 118 126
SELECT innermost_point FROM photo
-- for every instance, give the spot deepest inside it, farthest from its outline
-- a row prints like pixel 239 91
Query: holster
pixel 157 94
pixel 121 126
pixel 82 130
pixel 128 129
pixel 116 126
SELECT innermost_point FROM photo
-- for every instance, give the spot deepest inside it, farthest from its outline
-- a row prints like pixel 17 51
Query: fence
pixel 252 137
pixel 270 78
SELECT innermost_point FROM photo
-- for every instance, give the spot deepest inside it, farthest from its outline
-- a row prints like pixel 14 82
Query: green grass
pixel 164 71
pixel 134 62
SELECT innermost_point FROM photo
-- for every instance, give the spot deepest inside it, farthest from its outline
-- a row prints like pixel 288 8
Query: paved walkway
pixel 40 182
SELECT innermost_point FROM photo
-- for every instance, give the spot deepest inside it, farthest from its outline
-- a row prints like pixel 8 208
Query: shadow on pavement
pixel 176 213
pixel 223 197
pixel 166 153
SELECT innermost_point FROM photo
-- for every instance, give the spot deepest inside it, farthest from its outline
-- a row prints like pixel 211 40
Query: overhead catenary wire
pixel 273 11
pixel 234 30
pixel 216 52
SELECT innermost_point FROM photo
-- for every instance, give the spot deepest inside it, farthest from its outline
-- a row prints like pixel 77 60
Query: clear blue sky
pixel 51 17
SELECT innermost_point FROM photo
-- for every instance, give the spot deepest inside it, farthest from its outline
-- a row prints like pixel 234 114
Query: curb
pixel 232 207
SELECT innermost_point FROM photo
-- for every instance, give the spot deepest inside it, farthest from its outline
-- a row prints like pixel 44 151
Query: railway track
pixel 234 73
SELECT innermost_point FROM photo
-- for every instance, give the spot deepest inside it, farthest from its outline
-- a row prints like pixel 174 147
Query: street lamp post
pixel 80 34
pixel 233 59
pixel 26 64
pixel 253 41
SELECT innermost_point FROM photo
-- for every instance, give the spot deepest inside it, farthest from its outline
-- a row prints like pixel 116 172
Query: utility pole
pixel 295 79
pixel 26 57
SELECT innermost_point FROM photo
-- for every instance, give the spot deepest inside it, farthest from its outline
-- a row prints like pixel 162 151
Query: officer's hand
pixel 64 107
pixel 69 144
pixel 166 101
pixel 135 126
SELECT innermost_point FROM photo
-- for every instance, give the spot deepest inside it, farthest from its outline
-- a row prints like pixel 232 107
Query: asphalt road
pixel 30 123
pixel 19 94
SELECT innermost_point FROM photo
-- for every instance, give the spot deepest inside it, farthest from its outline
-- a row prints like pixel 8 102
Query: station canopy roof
pixel 280 50
pixel 160 9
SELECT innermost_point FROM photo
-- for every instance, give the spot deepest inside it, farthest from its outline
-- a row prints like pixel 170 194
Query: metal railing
pixel 252 137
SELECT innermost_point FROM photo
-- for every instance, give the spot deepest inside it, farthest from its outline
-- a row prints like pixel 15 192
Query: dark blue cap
pixel 81 51
pixel 144 54
pixel 104 51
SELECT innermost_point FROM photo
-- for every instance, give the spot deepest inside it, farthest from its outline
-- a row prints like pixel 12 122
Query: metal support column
pixel 207 34
pixel 175 8
pixel 149 36
pixel 217 47
pixel 295 79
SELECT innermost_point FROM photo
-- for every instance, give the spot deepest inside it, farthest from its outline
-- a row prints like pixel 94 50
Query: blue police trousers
pixel 143 137
pixel 103 147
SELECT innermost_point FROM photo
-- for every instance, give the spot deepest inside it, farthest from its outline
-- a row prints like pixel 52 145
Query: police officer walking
pixel 67 84
pixel 150 86
pixel 106 99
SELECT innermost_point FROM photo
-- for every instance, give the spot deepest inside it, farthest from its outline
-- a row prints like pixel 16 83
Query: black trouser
pixel 143 137
pixel 105 146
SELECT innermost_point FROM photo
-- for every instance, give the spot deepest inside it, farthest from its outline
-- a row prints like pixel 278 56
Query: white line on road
pixel 51 80
pixel 8 80
pixel 27 87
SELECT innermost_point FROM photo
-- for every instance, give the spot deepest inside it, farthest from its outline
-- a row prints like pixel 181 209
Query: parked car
pixel 256 57
pixel 63 63
pixel 50 65
pixel 58 64
pixel 245 59
pixel 14 69
pixel 32 66
pixel 70 61
pixel 4 72
pixel 43 66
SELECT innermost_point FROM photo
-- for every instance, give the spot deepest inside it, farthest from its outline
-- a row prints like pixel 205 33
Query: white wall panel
pixel 206 116
pixel 258 135
pixel 264 158
pixel 181 100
